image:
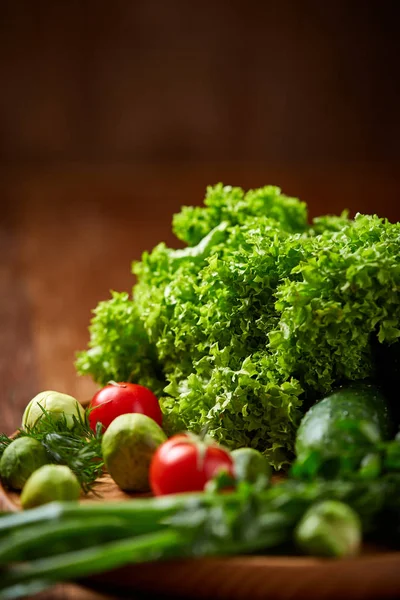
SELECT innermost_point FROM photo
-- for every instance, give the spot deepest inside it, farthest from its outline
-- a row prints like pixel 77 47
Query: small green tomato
pixel 329 528
pixel 128 446
pixel 20 459
pixel 49 484
pixel 251 465
pixel 55 403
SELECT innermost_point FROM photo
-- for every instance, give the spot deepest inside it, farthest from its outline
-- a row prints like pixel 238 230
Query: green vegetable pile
pixel 259 316
pixel 64 439
pixel 270 334
pixel 63 541
pixel 342 488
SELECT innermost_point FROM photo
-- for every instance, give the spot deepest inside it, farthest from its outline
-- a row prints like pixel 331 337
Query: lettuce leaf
pixel 261 313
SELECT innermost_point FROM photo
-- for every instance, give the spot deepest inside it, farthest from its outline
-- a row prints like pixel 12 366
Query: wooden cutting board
pixel 373 575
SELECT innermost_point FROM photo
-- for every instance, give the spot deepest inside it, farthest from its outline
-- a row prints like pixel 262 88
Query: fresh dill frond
pixel 4 442
pixel 77 447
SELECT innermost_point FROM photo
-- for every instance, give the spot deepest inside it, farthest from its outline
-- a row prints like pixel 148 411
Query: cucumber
pixel 344 418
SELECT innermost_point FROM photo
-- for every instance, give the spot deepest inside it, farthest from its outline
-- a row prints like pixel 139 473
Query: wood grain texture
pixel 262 578
pixel 18 367
pixel 151 80
pixel 75 592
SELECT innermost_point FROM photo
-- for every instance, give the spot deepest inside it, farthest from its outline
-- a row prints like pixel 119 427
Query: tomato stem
pixel 120 385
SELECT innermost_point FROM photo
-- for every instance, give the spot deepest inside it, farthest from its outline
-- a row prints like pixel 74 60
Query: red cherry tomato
pixel 120 398
pixel 185 464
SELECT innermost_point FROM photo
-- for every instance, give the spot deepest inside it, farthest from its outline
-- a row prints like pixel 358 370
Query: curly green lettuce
pixel 258 314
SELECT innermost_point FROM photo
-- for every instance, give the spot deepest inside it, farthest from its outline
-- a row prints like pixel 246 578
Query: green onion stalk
pixel 67 541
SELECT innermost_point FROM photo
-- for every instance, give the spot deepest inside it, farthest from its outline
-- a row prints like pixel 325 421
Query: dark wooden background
pixel 115 113
pixel 231 80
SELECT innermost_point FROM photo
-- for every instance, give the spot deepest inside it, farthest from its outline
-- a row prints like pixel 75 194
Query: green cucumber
pixel 347 417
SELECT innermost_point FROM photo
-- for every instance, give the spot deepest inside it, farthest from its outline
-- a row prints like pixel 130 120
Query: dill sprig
pixel 4 442
pixel 77 447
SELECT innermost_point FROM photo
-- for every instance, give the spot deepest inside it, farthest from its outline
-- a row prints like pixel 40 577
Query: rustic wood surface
pixel 69 232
